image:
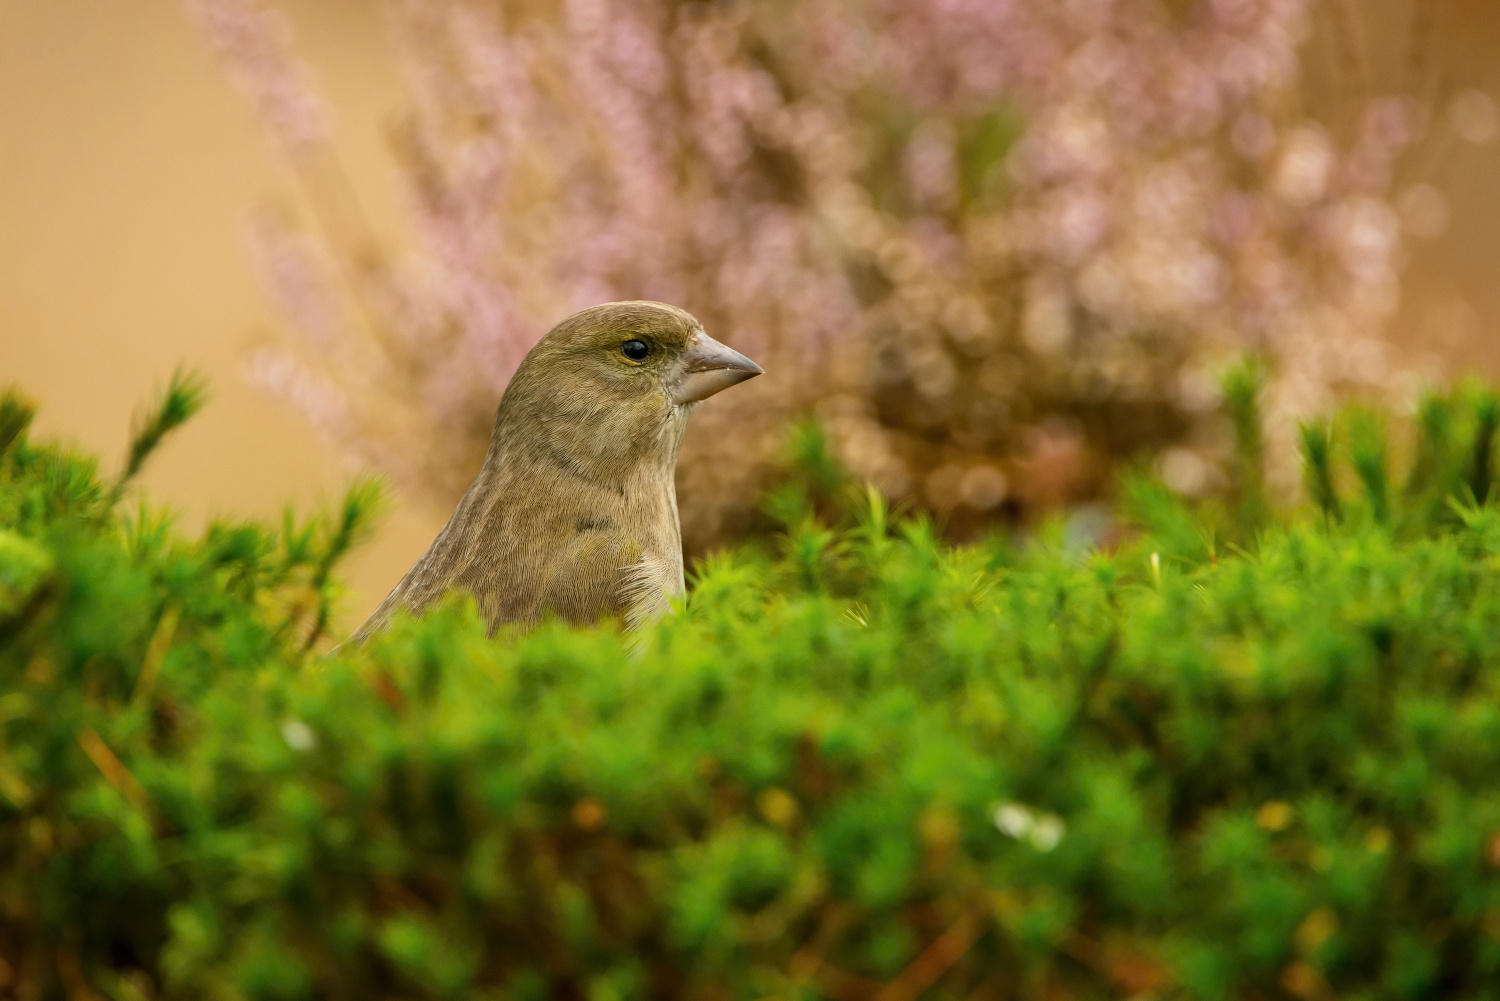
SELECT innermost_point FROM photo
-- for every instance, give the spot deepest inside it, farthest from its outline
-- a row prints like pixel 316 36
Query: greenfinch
pixel 574 512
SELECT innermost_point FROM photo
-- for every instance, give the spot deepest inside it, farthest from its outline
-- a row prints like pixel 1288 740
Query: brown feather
pixel 574 512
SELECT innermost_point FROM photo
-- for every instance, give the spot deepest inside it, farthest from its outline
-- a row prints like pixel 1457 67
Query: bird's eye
pixel 635 350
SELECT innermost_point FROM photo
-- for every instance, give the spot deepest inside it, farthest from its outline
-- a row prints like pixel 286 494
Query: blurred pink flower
pixel 941 224
pixel 254 44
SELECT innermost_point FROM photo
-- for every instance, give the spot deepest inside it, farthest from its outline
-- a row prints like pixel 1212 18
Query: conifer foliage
pixel 1239 754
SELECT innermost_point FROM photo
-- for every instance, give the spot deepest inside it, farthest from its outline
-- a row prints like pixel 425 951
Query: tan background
pixel 127 169
pixel 128 166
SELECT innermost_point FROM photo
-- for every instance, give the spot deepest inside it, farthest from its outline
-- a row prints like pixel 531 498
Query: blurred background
pixel 129 167
pixel 996 247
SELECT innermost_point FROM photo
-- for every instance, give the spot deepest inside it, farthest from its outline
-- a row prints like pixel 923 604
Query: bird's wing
pixel 583 582
pixel 606 574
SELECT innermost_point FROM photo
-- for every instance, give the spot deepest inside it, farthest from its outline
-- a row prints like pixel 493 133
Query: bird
pixel 573 513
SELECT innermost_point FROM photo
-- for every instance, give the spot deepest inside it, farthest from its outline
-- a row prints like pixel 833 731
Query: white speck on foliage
pixel 1042 831
pixel 298 735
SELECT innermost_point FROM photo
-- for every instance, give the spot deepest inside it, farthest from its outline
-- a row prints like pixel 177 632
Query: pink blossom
pixel 942 224
pixel 253 42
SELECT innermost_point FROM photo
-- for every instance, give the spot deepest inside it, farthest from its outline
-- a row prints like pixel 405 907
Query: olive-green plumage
pixel 574 512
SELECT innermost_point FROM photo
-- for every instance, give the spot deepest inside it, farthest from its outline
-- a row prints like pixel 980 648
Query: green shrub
pixel 1237 756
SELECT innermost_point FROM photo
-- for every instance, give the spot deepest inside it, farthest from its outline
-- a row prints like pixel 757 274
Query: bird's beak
pixel 707 367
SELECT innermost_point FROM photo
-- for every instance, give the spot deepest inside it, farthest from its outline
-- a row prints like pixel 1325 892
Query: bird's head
pixel 626 350
pixel 624 369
